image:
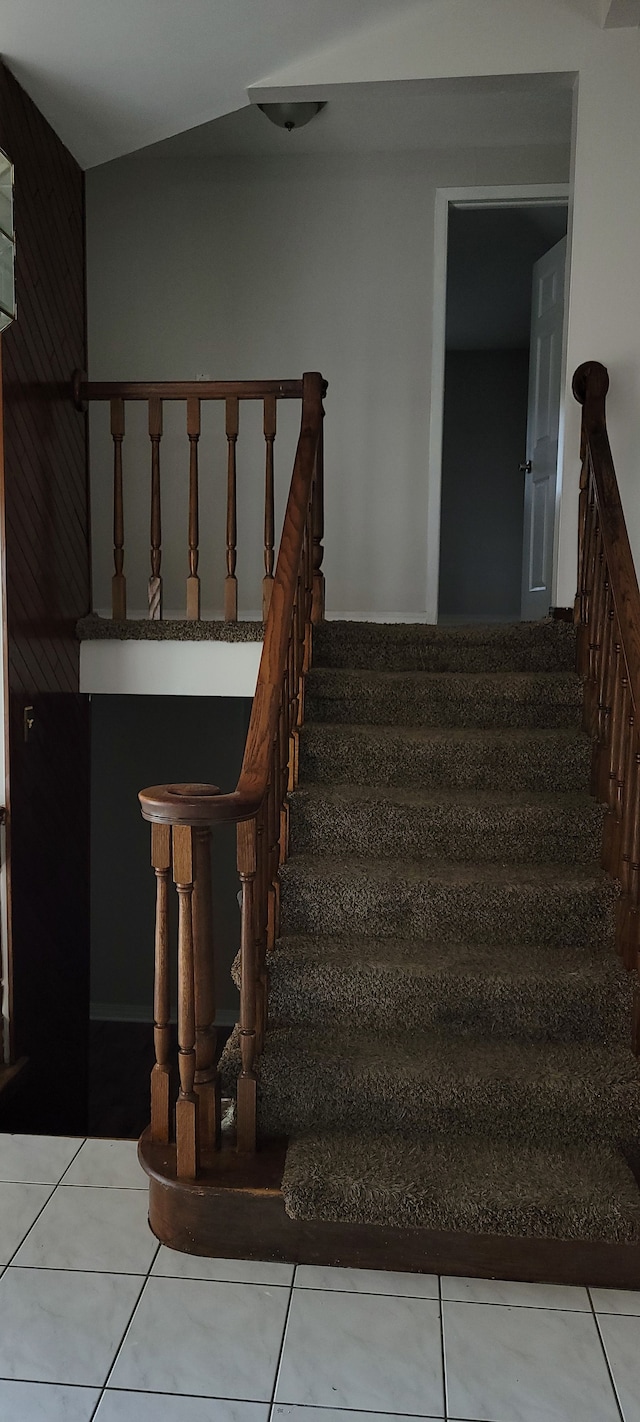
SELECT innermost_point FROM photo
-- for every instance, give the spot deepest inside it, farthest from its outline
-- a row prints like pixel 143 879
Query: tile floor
pixel 98 1322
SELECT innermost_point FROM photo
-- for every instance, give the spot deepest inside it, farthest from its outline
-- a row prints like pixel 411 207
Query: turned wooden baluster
pixel 118 581
pixel 160 1075
pixel 231 582
pixel 613 779
pixel 630 937
pixel 187 1142
pixel 605 697
pixel 155 581
pixel 193 581
pixel 247 1086
pixel 207 1080
pixel 269 426
pixel 318 531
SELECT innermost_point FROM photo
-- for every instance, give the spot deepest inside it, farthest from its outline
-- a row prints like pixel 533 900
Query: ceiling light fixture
pixel 291 116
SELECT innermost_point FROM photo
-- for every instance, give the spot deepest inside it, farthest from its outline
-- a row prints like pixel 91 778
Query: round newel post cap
pixel 590 380
pixel 188 804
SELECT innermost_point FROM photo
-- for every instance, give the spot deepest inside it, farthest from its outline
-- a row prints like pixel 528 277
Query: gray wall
pixel 139 741
pixel 485 424
pixel 246 268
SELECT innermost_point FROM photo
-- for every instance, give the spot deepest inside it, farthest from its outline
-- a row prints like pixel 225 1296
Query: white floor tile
pixel 615 1301
pixel 503 1291
pixel 291 1413
pixel 46 1402
pixel 108 1163
pixel 166 1407
pixel 525 1365
pixel 207 1339
pixel 63 1327
pixel 363 1351
pixel 172 1265
pixel 91 1228
pixel 38 1160
pixel 621 1338
pixel 367 1281
pixel 19 1207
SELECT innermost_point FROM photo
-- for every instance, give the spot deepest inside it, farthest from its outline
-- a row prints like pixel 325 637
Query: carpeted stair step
pixel 553 993
pixel 475 1184
pixel 419 757
pixel 484 825
pixel 430 1082
pixel 467 699
pixel 529 903
pixel 524 647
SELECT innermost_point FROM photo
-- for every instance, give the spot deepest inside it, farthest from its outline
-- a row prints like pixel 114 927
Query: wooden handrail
pixel 178 814
pixel 85 390
pixel 607 614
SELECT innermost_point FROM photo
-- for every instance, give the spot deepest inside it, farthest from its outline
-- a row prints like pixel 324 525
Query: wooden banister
pixel 258 806
pixel 192 394
pixel 607 614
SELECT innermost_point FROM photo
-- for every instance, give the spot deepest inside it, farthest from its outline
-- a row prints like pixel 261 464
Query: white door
pixel 541 464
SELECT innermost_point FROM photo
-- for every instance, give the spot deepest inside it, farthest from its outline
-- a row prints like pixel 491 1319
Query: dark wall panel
pixel 48 588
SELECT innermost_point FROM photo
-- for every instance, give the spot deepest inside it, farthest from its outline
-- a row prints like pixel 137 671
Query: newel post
pixel 247 1085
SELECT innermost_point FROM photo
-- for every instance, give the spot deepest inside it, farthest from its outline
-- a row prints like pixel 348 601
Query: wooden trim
pixel 83 390
pixel 236 1211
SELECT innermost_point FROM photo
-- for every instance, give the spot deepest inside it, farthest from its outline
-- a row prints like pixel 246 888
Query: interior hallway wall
pixel 151 740
pixel 246 268
pixel 484 440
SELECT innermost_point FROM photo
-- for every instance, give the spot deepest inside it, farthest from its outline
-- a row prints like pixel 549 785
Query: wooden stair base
pixel 235 1210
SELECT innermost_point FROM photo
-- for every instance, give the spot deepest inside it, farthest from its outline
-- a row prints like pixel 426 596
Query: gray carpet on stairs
pixel 449 1025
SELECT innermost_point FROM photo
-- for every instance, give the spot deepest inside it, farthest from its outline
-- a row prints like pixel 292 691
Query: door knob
pixel 525 468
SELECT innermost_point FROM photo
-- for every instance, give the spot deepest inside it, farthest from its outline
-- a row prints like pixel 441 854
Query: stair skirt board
pixel 237 1211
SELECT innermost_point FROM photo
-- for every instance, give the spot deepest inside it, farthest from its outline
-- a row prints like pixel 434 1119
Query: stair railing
pixel 607 614
pixel 182 816
pixel 192 394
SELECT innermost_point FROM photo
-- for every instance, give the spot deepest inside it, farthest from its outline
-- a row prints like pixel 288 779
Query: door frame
pixel 505 195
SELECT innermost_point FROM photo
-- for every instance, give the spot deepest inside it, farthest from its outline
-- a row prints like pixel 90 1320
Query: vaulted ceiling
pixel 113 76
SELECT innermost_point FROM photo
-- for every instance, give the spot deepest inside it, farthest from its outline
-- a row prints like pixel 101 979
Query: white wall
pixel 263 268
pixel 454 38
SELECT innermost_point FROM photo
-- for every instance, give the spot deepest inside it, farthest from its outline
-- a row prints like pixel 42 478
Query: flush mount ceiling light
pixel 291 116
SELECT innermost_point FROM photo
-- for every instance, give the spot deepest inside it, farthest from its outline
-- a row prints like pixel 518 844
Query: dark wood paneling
pixel 47 590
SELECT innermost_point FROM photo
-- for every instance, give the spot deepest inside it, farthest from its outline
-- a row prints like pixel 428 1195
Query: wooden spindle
pixel 247 1085
pixel 318 530
pixel 231 582
pixel 207 1081
pixel 155 581
pixel 160 1075
pixel 269 426
pixel 118 581
pixel 187 1144
pixel 193 581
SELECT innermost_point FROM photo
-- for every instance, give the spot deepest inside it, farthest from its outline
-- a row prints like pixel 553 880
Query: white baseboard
pixel 137 1012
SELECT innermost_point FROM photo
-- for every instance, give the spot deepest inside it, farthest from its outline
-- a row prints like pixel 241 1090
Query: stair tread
pixel 470 1184
pixel 447 796
pixel 541 873
pixel 425 957
pixel 472 679
pixel 439 1056
pixel 462 735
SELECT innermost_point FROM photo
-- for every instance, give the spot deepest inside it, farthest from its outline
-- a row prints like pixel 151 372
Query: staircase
pixel 449 1026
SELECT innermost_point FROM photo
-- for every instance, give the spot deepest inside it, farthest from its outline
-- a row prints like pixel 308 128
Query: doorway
pixel 496 403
